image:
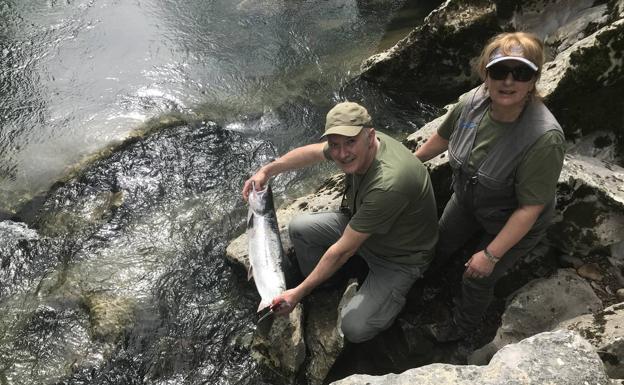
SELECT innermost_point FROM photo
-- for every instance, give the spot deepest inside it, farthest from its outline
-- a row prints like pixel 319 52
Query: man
pixel 391 220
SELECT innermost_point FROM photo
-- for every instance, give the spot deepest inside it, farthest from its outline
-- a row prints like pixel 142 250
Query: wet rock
pixel 323 339
pixel 24 257
pixel 557 358
pixel 110 315
pixel 591 271
pixel 539 306
pixel 605 331
pixel 283 349
pixel 620 294
pixel 84 213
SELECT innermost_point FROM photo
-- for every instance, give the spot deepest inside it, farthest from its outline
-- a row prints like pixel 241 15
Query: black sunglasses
pixel 520 74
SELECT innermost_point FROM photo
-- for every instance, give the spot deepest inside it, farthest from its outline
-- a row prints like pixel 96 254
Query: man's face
pixel 352 153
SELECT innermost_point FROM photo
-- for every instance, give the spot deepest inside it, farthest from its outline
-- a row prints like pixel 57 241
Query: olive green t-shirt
pixel 537 173
pixel 394 202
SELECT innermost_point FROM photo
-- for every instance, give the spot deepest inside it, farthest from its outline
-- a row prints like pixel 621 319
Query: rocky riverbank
pixel 557 316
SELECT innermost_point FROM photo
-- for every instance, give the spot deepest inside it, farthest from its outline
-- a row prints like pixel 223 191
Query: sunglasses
pixel 520 74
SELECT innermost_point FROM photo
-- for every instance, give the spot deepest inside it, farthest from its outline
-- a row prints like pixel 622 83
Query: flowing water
pixel 127 129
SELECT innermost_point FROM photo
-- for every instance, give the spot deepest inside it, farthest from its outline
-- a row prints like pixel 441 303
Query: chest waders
pixel 489 190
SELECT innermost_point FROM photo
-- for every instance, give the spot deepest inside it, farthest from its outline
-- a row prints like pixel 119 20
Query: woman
pixel 506 151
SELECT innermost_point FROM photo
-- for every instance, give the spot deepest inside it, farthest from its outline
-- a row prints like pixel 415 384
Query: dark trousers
pixel 457 226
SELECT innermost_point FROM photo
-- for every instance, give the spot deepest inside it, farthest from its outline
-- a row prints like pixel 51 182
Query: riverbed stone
pixel 605 331
pixel 539 306
pixel 110 315
pixel 556 358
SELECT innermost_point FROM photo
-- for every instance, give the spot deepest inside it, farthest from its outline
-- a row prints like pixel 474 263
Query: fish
pixel 266 255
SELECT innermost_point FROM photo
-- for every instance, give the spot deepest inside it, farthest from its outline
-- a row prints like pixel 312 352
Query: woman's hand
pixel 479 266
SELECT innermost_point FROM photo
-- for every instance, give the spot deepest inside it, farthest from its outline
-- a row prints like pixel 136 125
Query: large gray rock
pixel 433 61
pixel 283 348
pixel 323 340
pixel 539 306
pixel 605 331
pixel 560 23
pixel 590 206
pixel 584 83
pixel 554 358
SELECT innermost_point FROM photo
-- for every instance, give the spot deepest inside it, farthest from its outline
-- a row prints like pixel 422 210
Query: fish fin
pixel 250 275
pixel 264 305
pixel 250 220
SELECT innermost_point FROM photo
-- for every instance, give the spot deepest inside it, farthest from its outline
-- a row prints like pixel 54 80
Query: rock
pixel 283 349
pixel 617 261
pixel 590 206
pixel 323 339
pixel 110 315
pixel 605 331
pixel 566 260
pixel 24 257
pixel 559 23
pixel 433 60
pixel 556 358
pixel 620 294
pixel 539 306
pixel 599 145
pixel 590 271
pixel 588 76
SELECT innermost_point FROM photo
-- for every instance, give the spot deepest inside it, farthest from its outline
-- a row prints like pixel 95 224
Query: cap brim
pixel 516 58
pixel 343 130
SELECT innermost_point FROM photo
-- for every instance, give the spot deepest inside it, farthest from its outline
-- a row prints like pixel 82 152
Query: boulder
pixel 590 206
pixel 556 358
pixel 539 306
pixel 323 340
pixel 283 348
pixel 605 331
pixel 432 62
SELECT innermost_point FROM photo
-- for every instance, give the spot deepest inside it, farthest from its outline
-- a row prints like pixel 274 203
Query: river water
pixel 127 129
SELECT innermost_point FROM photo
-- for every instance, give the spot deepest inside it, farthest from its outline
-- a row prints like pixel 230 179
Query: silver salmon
pixel 266 256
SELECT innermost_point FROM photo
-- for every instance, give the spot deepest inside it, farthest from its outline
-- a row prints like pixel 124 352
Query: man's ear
pixel 371 137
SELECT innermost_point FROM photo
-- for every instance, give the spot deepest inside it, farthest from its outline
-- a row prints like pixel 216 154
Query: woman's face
pixel 509 83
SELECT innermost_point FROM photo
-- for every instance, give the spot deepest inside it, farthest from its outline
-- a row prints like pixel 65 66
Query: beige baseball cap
pixel 346 118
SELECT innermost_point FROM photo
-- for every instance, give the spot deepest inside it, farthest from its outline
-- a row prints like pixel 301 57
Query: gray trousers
pixel 457 226
pixel 382 295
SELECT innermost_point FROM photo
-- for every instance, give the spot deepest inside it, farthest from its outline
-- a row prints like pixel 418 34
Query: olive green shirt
pixel 394 203
pixel 537 173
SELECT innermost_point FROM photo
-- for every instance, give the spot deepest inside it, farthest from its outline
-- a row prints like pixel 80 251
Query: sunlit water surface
pixel 153 113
